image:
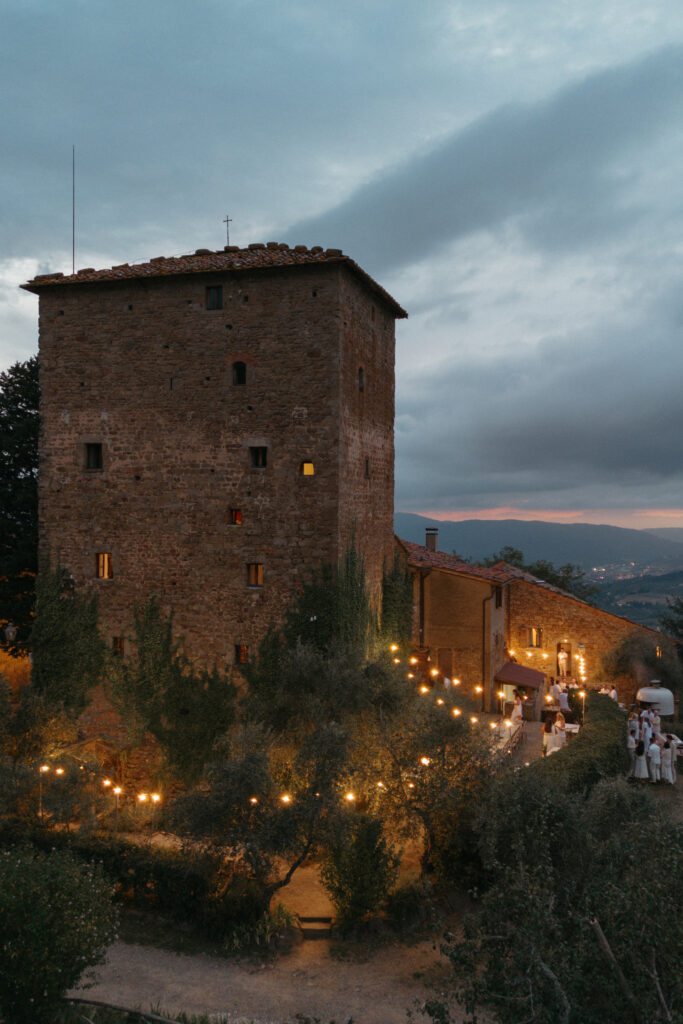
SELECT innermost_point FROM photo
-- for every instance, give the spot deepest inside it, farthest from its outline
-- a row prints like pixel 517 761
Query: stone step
pixel 315 927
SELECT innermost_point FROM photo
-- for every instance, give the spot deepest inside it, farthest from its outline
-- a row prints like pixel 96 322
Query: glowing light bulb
pixel 394 647
pixel 44 767
pixel 350 797
pixel 439 700
pixel 106 782
pixel 286 798
pixel 59 771
pixel 474 719
pixel 424 689
pixel 155 798
pixel 117 790
pixel 478 689
pixel 142 797
pixel 456 712
pixel 425 761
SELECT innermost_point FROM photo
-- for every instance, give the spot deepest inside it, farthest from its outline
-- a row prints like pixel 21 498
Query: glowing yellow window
pixel 307 469
pixel 104 565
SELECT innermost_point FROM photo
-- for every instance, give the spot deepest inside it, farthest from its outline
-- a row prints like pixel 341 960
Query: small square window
pixel 307 469
pixel 117 646
pixel 214 297
pixel 259 457
pixel 93 455
pixel 234 517
pixel 254 574
pixel 241 654
pixel 104 565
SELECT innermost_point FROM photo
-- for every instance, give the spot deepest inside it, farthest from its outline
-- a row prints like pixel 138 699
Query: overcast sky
pixel 512 172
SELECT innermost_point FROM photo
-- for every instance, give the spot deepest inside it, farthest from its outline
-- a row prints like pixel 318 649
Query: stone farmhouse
pixel 498 628
pixel 214 427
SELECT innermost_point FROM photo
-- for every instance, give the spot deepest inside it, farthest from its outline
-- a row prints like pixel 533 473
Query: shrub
pixel 359 869
pixel 56 920
pixel 199 889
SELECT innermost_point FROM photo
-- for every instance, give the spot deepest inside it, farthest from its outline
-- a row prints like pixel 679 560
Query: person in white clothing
pixel 667 774
pixel 641 764
pixel 631 744
pixel 674 756
pixel 516 715
pixel 654 756
pixel 559 733
pixel 613 693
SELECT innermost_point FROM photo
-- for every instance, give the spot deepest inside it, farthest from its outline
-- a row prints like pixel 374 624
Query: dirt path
pixel 307 981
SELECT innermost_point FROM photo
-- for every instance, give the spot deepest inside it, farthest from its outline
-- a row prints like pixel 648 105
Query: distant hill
pixel 668 533
pixel 643 599
pixel 580 543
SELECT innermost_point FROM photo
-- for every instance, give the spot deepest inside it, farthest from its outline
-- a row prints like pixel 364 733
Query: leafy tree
pixel 570 578
pixel 19 396
pixel 56 920
pixel 432 765
pixel 271 806
pixel 69 654
pixel 571 927
pixel 397 605
pixel 672 623
pixel 641 658
pixel 160 692
pixel 359 868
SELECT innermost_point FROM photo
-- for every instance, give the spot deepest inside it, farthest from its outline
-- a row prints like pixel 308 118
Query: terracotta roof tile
pixel 423 558
pixel 257 256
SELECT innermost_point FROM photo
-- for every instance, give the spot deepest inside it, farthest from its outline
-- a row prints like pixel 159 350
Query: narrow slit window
pixel 259 457
pixel 93 455
pixel 361 379
pixel 214 297
pixel 254 574
pixel 235 517
pixel 367 469
pixel 307 469
pixel 535 637
pixel 117 646
pixel 241 654
pixel 104 565
pixel 239 374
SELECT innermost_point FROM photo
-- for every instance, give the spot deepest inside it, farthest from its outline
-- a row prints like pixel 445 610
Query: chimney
pixel 432 538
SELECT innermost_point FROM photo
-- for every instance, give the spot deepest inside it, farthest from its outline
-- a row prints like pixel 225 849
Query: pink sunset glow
pixel 633 519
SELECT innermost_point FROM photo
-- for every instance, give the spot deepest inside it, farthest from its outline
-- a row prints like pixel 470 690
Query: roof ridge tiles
pixel 255 256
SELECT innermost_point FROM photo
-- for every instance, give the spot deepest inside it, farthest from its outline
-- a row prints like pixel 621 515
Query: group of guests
pixel 653 754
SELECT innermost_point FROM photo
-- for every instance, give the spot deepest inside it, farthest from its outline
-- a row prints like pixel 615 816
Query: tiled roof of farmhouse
pixel 422 557
pixel 501 572
pixel 257 256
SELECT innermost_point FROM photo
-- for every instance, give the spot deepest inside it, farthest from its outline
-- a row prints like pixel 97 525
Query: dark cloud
pixel 549 164
pixel 568 421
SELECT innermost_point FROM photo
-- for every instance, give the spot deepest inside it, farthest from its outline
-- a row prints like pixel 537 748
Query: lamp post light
pixel 501 697
pixel 582 695
pixel 43 769
pixel 117 794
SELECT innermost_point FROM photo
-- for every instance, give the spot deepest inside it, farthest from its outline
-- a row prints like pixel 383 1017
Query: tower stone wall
pixel 218 427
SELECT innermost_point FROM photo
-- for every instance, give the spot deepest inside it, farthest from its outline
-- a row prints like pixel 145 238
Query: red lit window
pixel 241 654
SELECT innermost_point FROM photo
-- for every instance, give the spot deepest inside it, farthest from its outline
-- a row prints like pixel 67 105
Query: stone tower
pixel 214 427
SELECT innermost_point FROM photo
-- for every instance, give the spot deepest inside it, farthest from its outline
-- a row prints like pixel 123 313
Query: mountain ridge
pixel 584 544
